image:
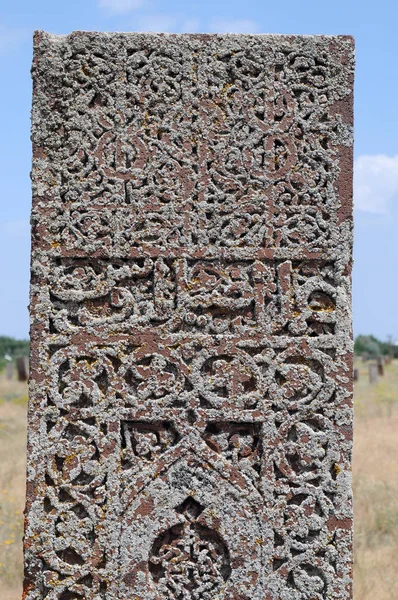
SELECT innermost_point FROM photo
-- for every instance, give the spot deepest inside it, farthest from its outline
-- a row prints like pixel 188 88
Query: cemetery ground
pixel 375 485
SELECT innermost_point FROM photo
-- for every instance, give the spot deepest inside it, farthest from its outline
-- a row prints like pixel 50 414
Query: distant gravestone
pixel 373 372
pixel 356 374
pixel 10 370
pixel 21 368
pixel 380 365
pixel 190 416
pixel 365 357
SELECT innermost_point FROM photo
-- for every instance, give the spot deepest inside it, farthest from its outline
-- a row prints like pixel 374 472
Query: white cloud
pixel 375 182
pixel 220 25
pixel 120 7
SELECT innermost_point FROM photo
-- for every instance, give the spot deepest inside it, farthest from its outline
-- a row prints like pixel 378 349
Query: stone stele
pixel 190 416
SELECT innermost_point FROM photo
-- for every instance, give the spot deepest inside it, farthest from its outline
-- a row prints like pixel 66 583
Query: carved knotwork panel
pixel 190 403
pixel 189 560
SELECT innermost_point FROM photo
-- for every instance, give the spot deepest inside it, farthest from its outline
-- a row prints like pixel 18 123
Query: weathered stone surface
pixel 190 416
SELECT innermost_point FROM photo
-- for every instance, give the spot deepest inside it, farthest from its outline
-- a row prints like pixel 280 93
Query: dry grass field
pixel 375 485
pixel 13 405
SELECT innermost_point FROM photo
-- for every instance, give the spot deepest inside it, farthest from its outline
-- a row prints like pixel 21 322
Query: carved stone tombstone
pixel 190 407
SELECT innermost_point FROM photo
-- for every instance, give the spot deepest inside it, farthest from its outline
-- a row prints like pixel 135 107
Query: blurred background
pixel 375 284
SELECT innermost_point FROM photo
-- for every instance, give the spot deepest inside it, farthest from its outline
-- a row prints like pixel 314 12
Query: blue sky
pixel 374 25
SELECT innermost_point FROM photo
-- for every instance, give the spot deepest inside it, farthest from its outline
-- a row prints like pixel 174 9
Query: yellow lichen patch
pixel 336 468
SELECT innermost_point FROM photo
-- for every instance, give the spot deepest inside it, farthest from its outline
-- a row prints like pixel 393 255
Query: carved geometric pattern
pixel 190 422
